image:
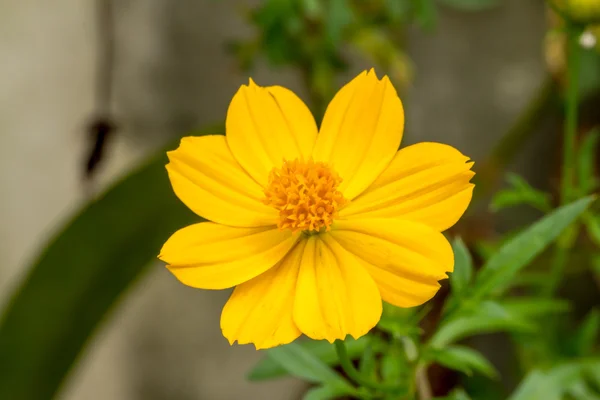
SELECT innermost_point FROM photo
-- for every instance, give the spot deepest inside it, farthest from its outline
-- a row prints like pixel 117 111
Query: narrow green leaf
pixel 82 272
pixel 463 268
pixel 368 363
pixel 586 163
pixel 500 269
pixel 586 336
pixel 324 393
pixel 534 307
pixel 471 5
pixel 554 383
pixel 592 226
pixel 486 317
pixel 520 193
pixel 267 368
pixel 464 359
pixel 298 362
pixel 456 394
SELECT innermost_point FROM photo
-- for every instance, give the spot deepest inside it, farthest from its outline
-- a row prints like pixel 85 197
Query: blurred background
pixel 157 70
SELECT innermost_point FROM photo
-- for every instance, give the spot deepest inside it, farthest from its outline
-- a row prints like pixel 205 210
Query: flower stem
pixel 352 372
pixel 565 242
pixel 571 108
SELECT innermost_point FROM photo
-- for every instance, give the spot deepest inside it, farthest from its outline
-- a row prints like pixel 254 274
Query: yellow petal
pixel 335 296
pixel 213 256
pixel 207 178
pixel 361 131
pixel 267 125
pixel 426 182
pixel 406 259
pixel 260 311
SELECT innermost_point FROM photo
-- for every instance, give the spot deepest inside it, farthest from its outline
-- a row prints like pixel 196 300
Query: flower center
pixel 306 195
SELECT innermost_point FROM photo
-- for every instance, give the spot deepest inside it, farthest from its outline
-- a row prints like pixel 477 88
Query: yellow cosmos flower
pixel 314 228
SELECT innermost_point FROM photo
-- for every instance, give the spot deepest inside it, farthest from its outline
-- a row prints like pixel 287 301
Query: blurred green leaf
pixel 586 337
pixel 501 268
pixel 268 368
pixel 537 385
pixel 471 5
pixel 552 384
pixel 83 271
pixel 299 362
pixel 456 394
pixel 462 358
pixel 586 163
pixel 398 321
pixel 463 268
pixel 534 307
pixel 324 393
pixel 592 226
pixel 520 192
pixel 485 317
pixel 368 363
pixel 425 13
pixel 339 16
pixel 394 365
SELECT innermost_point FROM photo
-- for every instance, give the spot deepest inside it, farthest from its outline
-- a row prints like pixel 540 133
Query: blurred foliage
pixel 507 283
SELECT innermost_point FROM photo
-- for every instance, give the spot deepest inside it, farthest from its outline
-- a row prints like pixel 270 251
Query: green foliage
pixel 471 5
pixel 268 368
pixel 520 192
pixel 462 358
pixel 500 269
pixel 463 268
pixel 80 275
pixel 555 383
pixel 299 362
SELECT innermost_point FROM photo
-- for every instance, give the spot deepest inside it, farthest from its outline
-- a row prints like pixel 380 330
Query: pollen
pixel 305 194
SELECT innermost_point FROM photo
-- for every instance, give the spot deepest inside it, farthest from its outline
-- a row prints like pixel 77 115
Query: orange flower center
pixel 306 195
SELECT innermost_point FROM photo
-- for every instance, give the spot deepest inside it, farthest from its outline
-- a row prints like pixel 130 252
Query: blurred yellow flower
pixel 312 229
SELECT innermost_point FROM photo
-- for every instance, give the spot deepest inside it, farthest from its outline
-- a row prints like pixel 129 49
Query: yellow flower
pixel 312 229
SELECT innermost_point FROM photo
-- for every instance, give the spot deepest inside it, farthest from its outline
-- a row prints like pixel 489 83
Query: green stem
pixel 565 241
pixel 352 372
pixel 571 108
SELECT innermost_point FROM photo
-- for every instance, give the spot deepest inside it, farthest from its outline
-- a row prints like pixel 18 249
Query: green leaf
pixel 394 365
pixel 464 359
pixel 471 5
pixel 500 269
pixel 456 394
pixel 83 271
pixel 425 13
pixel 298 362
pixel 463 268
pixel 519 193
pixel 486 317
pixel 592 226
pixel 537 385
pixel 267 368
pixel 368 363
pixel 339 16
pixel 324 393
pixel 534 307
pixel 554 383
pixel 586 163
pixel 586 336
